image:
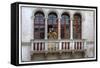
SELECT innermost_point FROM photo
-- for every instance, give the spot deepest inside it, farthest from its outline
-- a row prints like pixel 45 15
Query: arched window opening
pixel 52 26
pixel 65 26
pixel 77 26
pixel 39 25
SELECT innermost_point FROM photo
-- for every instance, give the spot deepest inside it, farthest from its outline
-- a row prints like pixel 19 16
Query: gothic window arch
pixel 65 26
pixel 52 24
pixel 77 24
pixel 39 25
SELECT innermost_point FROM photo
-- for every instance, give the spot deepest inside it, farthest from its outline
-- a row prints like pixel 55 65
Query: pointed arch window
pixel 52 24
pixel 65 26
pixel 77 26
pixel 39 25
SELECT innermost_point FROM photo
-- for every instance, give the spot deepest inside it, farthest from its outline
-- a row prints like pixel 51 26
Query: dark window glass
pixel 52 26
pixel 65 26
pixel 77 26
pixel 39 26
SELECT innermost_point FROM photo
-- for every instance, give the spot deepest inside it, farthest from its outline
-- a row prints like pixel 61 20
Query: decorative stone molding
pixel 52 10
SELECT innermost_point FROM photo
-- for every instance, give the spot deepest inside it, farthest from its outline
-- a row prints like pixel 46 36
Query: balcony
pixel 58 48
pixel 39 46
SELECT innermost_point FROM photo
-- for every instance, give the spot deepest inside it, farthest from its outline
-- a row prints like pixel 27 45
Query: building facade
pixel 52 33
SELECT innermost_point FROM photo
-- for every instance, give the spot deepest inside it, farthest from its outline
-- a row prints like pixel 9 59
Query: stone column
pixel 59 31
pixel 46 33
pixel 32 35
pixel 59 28
pixel 71 31
pixel 71 26
pixel 33 26
pixel 46 29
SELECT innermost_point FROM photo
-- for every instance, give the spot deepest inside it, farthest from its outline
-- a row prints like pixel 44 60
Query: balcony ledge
pixel 59 51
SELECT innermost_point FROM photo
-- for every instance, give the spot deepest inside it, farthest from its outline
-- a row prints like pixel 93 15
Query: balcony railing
pixel 45 46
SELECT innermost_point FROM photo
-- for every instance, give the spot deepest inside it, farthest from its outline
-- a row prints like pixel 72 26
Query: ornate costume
pixel 52 35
